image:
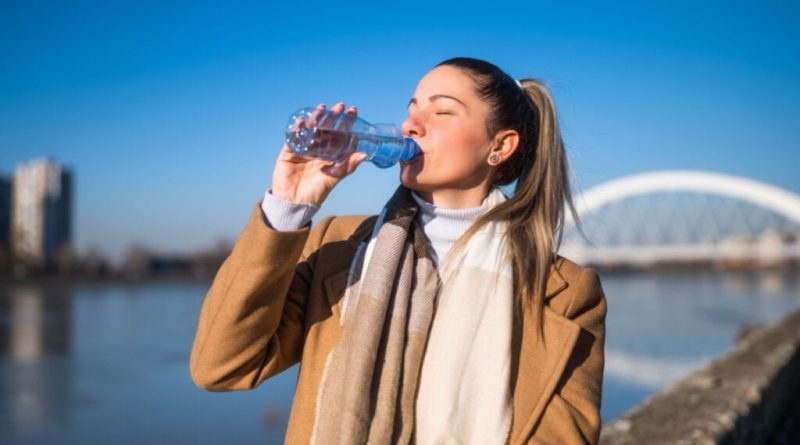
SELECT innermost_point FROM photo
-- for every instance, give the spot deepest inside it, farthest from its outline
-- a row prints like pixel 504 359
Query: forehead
pixel 447 80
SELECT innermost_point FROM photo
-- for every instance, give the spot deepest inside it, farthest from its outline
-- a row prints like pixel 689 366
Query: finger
pixel 329 120
pixel 336 170
pixel 315 115
pixel 299 123
pixel 348 119
pixel 346 166
pixel 354 160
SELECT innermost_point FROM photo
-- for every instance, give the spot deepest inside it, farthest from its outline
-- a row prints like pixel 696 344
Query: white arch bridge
pixel 684 217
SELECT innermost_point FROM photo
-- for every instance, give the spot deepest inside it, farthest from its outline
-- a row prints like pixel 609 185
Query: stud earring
pixel 494 159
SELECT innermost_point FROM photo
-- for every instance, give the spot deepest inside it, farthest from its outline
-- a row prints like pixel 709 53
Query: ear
pixel 506 144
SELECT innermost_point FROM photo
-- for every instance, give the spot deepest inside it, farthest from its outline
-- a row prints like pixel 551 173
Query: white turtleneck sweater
pixel 442 227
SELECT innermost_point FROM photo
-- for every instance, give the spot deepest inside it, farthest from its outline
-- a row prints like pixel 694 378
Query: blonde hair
pixel 535 211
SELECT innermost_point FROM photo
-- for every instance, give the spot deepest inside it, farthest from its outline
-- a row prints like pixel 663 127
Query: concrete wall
pixel 740 398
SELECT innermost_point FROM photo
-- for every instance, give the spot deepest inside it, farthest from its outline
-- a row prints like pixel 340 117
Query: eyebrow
pixel 435 97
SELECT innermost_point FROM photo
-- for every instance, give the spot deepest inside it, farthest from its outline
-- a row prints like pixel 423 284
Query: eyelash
pixel 440 113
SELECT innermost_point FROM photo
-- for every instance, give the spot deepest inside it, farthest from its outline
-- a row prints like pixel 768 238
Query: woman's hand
pixel 307 180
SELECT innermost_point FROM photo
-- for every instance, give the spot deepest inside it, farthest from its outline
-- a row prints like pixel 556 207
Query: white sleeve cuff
pixel 284 215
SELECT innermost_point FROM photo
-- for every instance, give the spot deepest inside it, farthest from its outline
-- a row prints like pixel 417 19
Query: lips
pixel 413 161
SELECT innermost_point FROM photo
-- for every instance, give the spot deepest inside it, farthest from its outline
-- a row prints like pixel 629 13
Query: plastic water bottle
pixel 321 134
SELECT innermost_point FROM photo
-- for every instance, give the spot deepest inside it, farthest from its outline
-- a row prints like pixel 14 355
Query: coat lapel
pixel 539 363
pixel 335 281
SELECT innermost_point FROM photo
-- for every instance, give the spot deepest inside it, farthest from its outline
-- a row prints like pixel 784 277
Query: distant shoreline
pixel 106 281
pixel 672 270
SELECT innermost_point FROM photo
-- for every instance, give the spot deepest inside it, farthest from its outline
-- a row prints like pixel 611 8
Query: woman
pixel 448 318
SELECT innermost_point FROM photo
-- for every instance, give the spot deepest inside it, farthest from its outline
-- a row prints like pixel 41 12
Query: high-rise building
pixel 41 229
pixel 5 217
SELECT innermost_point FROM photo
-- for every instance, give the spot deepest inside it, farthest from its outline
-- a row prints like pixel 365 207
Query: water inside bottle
pixel 337 145
pixel 322 143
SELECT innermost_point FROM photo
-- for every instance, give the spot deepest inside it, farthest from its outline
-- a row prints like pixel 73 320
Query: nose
pixel 412 127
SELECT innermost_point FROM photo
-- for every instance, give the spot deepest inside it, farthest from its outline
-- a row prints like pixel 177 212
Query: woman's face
pixel 447 119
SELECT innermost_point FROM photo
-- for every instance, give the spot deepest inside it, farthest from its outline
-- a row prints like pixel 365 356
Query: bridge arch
pixel 778 200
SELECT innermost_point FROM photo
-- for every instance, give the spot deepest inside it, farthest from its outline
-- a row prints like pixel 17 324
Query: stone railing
pixel 742 397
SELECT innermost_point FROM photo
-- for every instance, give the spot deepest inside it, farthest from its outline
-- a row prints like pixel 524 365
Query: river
pixel 98 364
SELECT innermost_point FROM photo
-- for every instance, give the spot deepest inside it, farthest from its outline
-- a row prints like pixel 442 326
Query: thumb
pixel 354 160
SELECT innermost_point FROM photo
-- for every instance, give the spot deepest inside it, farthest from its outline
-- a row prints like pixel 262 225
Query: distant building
pixel 5 217
pixel 41 229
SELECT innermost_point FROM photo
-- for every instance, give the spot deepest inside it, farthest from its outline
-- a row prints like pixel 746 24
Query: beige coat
pixel 277 298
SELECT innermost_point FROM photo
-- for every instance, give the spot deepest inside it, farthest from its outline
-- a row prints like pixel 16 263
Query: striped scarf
pixel 368 391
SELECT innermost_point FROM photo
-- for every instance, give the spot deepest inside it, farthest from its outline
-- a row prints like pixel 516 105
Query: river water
pixel 109 363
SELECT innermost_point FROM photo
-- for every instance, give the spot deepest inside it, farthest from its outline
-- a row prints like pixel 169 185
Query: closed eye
pixel 443 112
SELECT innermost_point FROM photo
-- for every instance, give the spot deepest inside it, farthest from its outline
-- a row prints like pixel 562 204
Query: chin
pixel 411 179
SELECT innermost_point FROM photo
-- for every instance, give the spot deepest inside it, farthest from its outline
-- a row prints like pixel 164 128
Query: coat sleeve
pixel 251 323
pixel 573 414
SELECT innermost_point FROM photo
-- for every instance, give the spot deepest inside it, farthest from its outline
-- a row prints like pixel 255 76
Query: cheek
pixel 454 150
pixel 469 145
pixel 460 138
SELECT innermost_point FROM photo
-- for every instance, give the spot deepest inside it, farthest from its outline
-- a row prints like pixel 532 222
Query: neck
pixel 455 198
pixel 444 226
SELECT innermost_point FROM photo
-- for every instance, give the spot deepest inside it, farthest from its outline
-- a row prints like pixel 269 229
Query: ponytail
pixel 535 211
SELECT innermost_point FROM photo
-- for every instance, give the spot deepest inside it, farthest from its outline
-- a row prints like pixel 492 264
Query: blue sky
pixel 171 114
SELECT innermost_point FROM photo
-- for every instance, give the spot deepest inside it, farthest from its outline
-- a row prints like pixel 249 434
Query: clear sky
pixel 171 113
